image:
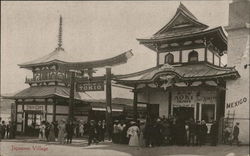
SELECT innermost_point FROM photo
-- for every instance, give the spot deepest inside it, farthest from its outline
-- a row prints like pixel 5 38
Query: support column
pixel 71 96
pixel 45 111
pixel 205 50
pixel 135 104
pixel 213 57
pixel 180 57
pixel 54 110
pixel 169 102
pixel 108 99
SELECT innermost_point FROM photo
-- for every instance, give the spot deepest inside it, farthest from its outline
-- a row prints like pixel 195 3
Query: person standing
pixel 236 133
pixel 187 133
pixel 47 129
pixel 214 133
pixel 70 131
pixel 99 131
pixel 8 130
pixel 115 132
pixel 141 133
pixel 81 129
pixel 132 133
pixel 198 133
pixel 91 132
pixel 3 129
pixel 52 133
pixel 192 132
pixel 61 132
pixel 227 133
pixel 55 124
pixel 203 132
pixel 42 131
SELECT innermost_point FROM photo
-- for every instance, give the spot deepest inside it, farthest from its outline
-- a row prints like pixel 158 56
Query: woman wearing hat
pixel 62 132
pixel 132 133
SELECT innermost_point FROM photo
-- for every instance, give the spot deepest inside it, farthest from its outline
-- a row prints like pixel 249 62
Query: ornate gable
pixel 183 20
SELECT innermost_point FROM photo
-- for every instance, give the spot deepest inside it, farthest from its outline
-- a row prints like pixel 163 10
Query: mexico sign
pixel 90 86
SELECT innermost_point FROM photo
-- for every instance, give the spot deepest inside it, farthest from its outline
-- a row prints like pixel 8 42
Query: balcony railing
pixel 47 79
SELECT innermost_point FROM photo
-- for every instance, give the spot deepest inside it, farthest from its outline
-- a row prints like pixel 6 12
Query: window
pixel 193 56
pixel 169 58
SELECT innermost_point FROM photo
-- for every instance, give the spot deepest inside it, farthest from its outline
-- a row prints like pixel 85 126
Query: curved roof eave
pixel 150 40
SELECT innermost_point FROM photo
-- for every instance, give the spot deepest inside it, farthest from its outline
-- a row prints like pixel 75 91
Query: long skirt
pixel 61 136
pixel 142 141
pixel 134 140
pixel 52 136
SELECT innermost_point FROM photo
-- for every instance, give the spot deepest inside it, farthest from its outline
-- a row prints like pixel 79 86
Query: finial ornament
pixel 60 33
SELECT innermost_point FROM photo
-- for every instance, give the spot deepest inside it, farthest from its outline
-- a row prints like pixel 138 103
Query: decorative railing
pixel 46 79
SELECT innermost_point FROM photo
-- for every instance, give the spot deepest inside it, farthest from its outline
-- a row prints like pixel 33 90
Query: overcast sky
pixel 91 30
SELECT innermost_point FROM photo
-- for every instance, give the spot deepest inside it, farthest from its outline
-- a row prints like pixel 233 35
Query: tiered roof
pixel 184 26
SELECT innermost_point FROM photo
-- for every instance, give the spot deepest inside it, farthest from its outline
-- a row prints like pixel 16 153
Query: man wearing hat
pixel 236 133
pixel 92 132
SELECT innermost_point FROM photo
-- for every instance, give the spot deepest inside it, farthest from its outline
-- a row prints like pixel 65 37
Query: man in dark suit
pixel 70 131
pixel 214 133
pixel 236 133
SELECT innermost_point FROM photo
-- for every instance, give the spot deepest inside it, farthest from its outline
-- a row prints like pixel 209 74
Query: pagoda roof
pixel 188 72
pixel 182 19
pixel 184 26
pixel 57 56
pixel 39 92
pixel 66 61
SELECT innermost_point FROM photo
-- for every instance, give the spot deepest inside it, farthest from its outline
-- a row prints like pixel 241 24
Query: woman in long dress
pixel 142 138
pixel 42 131
pixel 62 132
pixel 81 129
pixel 52 133
pixel 132 133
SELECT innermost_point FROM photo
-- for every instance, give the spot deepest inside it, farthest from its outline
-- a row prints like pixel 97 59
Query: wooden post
pixel 213 57
pixel 180 57
pixel 170 103
pixel 108 99
pixel 46 111
pixel 135 104
pixel 205 50
pixel 71 95
pixel 54 110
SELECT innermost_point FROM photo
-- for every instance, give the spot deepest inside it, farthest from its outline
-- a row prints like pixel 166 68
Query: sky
pixel 91 31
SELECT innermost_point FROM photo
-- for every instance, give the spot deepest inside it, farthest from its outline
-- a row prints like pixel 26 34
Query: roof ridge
pixel 184 8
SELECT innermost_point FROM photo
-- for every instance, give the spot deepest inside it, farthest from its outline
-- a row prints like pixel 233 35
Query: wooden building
pixel 189 79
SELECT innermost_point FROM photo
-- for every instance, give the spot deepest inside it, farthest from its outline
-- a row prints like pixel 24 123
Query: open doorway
pixel 183 113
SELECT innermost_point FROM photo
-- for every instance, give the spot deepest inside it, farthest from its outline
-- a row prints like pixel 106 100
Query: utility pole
pixel 108 99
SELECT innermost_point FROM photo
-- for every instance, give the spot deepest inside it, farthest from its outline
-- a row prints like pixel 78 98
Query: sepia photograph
pixel 125 78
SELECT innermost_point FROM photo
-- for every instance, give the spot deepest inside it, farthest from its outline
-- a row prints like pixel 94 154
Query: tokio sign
pixel 90 86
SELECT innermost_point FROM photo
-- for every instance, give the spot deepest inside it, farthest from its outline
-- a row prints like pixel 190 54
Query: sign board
pixel 34 107
pixel 90 86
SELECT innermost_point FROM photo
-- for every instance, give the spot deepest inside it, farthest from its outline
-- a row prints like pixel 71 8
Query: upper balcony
pixel 41 79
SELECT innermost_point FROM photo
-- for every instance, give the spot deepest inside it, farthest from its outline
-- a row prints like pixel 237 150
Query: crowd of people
pixel 64 131
pixel 163 131
pixel 7 130
pixel 149 133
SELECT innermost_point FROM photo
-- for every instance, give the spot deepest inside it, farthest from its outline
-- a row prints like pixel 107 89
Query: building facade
pixel 237 94
pixel 189 79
